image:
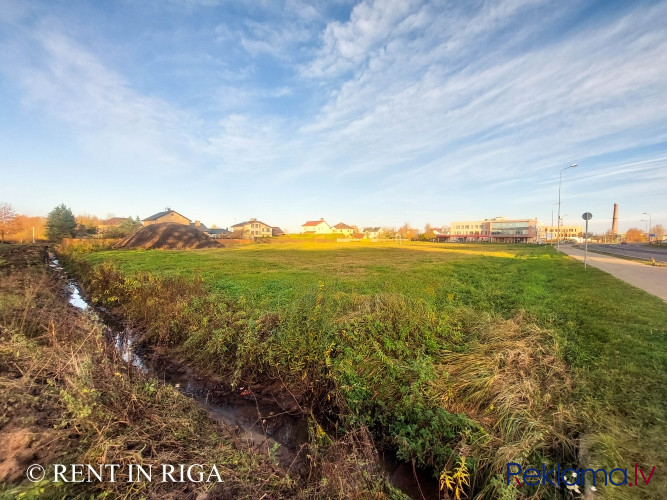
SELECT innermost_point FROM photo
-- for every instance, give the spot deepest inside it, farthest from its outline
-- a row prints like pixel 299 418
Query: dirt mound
pixel 167 236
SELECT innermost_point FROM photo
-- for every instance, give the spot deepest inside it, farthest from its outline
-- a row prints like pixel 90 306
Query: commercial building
pixel 550 233
pixel 496 230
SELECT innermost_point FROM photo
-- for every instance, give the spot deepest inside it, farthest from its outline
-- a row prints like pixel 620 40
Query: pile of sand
pixel 167 236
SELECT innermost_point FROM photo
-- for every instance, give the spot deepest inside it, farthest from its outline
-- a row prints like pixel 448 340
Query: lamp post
pixel 649 225
pixel 551 232
pixel 648 236
pixel 560 180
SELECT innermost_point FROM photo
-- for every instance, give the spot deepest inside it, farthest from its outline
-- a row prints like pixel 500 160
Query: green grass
pixel 610 335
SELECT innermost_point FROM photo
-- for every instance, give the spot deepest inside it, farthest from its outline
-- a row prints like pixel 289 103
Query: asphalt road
pixel 639 251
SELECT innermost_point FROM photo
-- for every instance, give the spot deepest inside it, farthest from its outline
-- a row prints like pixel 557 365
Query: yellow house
pixel 317 227
pixel 343 229
pixel 166 216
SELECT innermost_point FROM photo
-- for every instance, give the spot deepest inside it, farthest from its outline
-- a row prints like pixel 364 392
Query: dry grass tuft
pixel 510 380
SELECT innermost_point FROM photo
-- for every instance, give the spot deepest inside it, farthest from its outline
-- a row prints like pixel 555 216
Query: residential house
pixel 218 232
pixel 373 233
pixel 253 228
pixel 166 216
pixel 277 231
pixel 343 229
pixel 316 226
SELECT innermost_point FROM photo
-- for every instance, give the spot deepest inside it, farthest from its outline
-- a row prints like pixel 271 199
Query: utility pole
pixel 560 181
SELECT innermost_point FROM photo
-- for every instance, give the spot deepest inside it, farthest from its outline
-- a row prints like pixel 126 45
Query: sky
pixel 374 113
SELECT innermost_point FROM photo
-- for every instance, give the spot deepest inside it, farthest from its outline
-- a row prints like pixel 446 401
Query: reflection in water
pixel 75 298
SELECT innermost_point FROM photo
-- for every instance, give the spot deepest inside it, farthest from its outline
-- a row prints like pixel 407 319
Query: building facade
pixel 316 226
pixel 343 229
pixel 166 216
pixel 550 233
pixel 373 233
pixel 253 228
pixel 496 230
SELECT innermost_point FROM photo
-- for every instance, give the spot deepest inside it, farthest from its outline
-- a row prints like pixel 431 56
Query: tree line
pixel 60 223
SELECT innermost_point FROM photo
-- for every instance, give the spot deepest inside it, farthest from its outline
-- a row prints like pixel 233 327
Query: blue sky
pixel 372 112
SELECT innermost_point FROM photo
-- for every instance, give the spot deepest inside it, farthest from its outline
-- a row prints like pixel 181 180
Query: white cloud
pixel 62 78
pixel 572 96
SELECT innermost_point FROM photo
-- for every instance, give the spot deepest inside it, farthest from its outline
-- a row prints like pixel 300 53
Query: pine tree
pixel 60 223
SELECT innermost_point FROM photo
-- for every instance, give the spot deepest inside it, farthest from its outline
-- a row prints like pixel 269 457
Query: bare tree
pixel 8 220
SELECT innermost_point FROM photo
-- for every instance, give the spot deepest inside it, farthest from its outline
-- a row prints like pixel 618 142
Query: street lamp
pixel 560 180
pixel 648 236
pixel 551 229
pixel 649 225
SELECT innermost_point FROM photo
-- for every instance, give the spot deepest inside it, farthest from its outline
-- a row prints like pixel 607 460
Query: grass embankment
pixel 454 354
pixel 67 398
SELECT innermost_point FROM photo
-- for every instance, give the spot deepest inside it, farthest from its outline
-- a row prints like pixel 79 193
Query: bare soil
pixel 167 236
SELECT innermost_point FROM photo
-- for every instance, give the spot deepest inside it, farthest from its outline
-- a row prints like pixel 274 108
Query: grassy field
pixel 462 357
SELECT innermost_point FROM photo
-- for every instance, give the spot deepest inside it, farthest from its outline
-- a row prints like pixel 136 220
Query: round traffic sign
pixel 587 216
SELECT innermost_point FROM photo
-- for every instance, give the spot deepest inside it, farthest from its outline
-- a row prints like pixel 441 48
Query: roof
pixel 371 229
pixel 277 231
pixel 341 225
pixel 218 230
pixel 162 214
pixel 314 223
pixel 201 227
pixel 241 224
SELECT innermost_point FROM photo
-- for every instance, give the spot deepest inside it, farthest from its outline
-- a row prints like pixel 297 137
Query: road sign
pixel 587 216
